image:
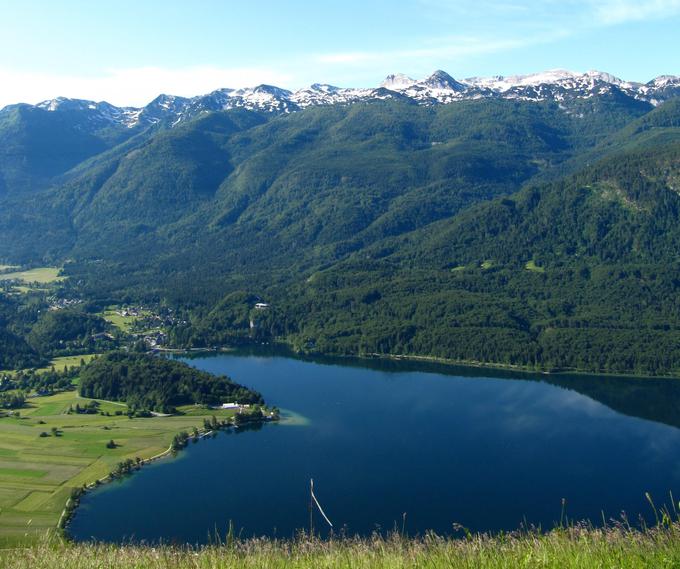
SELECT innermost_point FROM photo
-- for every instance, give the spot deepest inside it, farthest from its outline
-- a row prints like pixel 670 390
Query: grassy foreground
pixel 619 548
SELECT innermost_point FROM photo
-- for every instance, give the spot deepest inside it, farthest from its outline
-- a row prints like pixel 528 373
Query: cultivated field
pixel 37 472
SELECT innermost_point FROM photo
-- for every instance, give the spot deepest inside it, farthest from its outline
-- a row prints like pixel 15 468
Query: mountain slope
pixel 325 181
pixel 37 145
pixel 498 229
pixel 41 142
pixel 578 274
pixel 622 210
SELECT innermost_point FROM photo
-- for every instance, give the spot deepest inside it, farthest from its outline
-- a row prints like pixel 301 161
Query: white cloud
pixel 529 23
pixel 351 57
pixel 451 48
pixel 613 12
pixel 135 87
pixel 580 13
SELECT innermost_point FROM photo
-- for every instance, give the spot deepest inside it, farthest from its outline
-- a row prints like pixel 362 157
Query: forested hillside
pixel 577 274
pixel 157 384
pixel 492 230
pixel 14 349
pixel 327 180
pixel 37 146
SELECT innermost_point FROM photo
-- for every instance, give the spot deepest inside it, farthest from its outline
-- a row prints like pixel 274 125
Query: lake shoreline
pixel 452 363
pixel 73 502
pixel 471 364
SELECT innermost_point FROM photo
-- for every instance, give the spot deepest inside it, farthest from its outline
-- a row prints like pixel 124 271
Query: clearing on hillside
pixel 40 275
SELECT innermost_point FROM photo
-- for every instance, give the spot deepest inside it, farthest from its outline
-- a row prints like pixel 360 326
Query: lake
pixel 484 449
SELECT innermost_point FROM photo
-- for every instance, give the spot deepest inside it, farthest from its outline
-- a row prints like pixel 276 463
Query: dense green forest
pixel 150 383
pixel 58 331
pixel 486 231
pixel 15 352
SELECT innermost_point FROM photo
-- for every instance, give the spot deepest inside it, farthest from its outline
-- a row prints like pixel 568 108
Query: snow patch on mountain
pixel 397 81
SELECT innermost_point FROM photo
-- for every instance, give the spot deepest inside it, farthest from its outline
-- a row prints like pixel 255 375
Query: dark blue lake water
pixel 381 439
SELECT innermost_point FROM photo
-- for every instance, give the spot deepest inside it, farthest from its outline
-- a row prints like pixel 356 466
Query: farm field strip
pixel 37 473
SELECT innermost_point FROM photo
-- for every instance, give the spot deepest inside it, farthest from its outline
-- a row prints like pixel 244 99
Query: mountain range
pixel 528 221
pixel 439 88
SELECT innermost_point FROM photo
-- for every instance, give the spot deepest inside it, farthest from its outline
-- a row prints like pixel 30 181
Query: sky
pixel 127 52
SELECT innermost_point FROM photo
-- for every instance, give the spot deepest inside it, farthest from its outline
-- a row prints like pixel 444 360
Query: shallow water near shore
pixel 485 449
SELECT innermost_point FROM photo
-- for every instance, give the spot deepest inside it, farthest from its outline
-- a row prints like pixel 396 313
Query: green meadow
pixel 123 323
pixel 59 363
pixel 37 473
pixel 533 267
pixel 63 362
pixel 41 275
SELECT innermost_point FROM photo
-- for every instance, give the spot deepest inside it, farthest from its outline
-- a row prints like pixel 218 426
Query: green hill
pixel 493 231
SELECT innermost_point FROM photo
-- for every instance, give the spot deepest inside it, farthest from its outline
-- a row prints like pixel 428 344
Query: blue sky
pixel 127 52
